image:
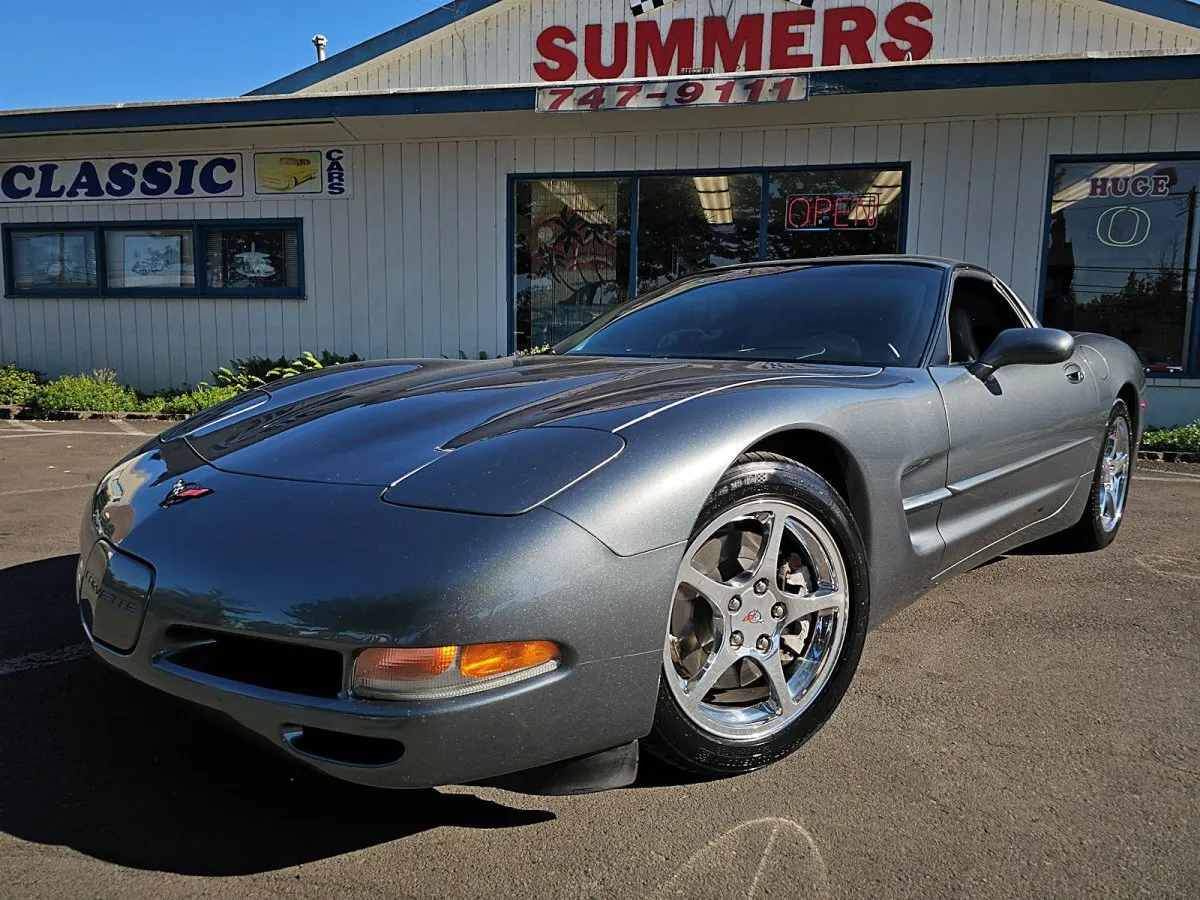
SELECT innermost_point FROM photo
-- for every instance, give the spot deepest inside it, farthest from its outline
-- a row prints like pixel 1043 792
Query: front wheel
pixel 767 620
pixel 1101 520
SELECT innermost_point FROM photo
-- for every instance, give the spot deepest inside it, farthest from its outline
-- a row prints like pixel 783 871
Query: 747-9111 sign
pixel 717 90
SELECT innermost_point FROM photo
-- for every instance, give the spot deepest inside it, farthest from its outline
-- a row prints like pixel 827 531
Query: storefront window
pixel 687 223
pixel 252 258
pixel 572 254
pixel 145 258
pixel 833 212
pixel 1122 255
pixel 53 260
pixel 572 241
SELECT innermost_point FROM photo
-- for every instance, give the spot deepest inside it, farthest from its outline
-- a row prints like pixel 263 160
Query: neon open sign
pixel 832 212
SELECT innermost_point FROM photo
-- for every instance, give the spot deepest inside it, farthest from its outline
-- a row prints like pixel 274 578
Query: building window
pixel 249 259
pixel 44 261
pixel 833 212
pixel 572 254
pixel 691 222
pixel 583 244
pixel 1122 256
pixel 149 258
pixel 155 259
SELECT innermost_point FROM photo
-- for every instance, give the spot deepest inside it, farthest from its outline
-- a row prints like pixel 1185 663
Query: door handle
pixel 1073 372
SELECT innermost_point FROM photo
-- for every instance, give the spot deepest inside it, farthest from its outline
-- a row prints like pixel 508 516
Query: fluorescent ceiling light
pixel 715 198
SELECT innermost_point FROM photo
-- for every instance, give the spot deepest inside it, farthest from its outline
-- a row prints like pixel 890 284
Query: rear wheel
pixel 767 621
pixel 1110 485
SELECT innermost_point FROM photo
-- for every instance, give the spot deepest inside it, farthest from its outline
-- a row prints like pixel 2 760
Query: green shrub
pixel 193 401
pixel 255 371
pixel 17 386
pixel 1186 439
pixel 98 392
pixel 534 351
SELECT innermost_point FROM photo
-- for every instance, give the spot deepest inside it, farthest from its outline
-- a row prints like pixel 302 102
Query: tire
pixel 727 706
pixel 1101 520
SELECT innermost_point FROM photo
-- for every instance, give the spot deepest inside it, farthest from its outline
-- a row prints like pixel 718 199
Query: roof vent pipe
pixel 319 42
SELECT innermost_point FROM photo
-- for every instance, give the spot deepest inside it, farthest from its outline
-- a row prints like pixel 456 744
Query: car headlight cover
pixel 435 673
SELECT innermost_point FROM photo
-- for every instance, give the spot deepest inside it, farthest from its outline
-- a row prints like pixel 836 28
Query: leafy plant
pixel 98 392
pixel 193 401
pixel 1186 439
pixel 18 386
pixel 255 371
pixel 534 351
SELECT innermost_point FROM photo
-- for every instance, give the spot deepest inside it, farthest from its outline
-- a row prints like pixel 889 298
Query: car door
pixel 1019 442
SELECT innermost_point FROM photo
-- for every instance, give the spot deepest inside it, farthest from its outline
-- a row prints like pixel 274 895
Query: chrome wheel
pixel 758 619
pixel 1114 474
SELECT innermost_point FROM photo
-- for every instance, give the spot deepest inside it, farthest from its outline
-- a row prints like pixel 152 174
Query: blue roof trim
pixel 1183 12
pixel 375 47
pixel 878 80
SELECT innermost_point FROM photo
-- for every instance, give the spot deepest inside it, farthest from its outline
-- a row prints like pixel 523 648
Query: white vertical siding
pixel 416 263
pixel 496 45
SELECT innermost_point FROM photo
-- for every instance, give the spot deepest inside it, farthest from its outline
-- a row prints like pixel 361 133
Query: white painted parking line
pixel 22 426
pixel 1177 477
pixel 42 658
pixel 48 490
pixel 44 432
pixel 127 428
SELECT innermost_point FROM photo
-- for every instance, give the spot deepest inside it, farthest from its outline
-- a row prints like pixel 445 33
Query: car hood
pixel 374 423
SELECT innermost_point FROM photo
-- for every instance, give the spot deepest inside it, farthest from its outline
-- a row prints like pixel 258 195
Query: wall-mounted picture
pixel 294 172
pixel 153 260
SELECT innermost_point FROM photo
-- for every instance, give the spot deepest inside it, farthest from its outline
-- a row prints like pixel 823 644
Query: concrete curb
pixel 1182 456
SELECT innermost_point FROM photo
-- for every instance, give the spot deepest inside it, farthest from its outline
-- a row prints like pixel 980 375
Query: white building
pixel 463 184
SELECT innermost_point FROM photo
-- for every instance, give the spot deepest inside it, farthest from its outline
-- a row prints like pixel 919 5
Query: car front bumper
pixel 363 573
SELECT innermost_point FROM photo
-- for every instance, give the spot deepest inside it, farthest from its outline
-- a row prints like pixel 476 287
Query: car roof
pixel 909 259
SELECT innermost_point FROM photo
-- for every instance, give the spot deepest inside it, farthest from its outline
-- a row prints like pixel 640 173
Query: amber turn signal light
pixel 431 673
pixel 485 660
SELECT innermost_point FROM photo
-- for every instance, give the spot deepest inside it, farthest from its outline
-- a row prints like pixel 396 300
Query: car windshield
pixel 877 314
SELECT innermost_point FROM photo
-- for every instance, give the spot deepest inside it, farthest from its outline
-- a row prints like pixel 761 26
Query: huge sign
pixel 189 177
pixel 790 39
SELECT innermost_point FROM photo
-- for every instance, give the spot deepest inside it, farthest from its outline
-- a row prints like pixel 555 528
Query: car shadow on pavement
pixel 94 761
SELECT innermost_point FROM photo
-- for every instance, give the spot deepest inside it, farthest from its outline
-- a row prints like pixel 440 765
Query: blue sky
pixel 77 52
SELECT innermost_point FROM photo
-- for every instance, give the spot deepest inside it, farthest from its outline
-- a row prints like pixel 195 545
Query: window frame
pixel 198 227
pixel 634 175
pixel 942 350
pixel 1192 332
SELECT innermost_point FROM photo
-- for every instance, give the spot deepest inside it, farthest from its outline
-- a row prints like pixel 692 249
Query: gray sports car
pixel 672 531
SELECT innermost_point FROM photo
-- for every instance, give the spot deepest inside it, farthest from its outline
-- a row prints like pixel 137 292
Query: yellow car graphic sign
pixel 287 172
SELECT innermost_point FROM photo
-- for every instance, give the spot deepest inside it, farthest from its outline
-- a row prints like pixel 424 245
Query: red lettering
pixel 745 43
pixel 553 46
pixel 902 28
pixel 841 210
pixel 677 48
pixel 1098 187
pixel 1162 186
pixel 836 35
pixel 806 209
pixel 784 41
pixel 1118 185
pixel 822 206
pixel 593 35
pixel 1139 185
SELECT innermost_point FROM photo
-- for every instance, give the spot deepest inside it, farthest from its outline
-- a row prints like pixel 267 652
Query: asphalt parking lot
pixel 1031 729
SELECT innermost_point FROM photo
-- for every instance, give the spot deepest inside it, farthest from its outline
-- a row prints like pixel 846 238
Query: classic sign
pixel 142 178
pixel 319 172
pixel 789 39
pixel 710 91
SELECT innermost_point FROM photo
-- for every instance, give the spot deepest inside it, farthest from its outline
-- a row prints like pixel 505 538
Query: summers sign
pixel 791 39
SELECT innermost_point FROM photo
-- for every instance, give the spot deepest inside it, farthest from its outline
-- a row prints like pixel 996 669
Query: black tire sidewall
pixel 675 737
pixel 1092 532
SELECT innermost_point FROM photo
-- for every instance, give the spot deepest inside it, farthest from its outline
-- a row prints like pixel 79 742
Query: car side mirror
pixel 1023 346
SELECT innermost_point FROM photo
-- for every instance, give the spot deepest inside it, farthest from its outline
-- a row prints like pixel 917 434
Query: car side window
pixel 978 312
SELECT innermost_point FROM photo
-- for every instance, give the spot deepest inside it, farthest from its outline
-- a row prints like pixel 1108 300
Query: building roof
pixel 1181 12
pixel 1089 68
